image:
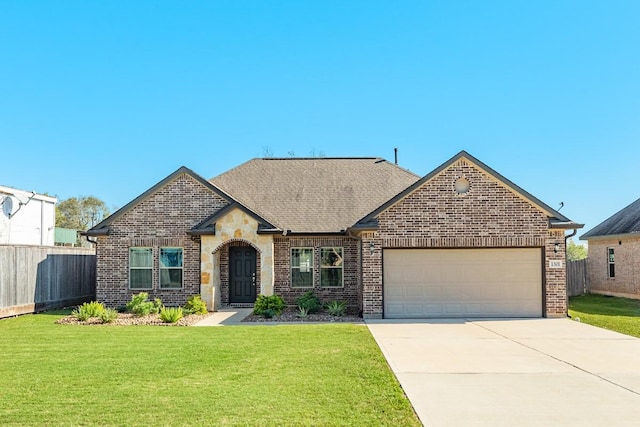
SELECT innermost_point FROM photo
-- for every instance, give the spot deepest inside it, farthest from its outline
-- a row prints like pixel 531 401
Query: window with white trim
pixel 140 268
pixel 171 266
pixel 331 268
pixel 301 267
pixel 611 262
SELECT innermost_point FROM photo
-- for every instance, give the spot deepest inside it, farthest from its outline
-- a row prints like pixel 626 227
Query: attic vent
pixel 462 185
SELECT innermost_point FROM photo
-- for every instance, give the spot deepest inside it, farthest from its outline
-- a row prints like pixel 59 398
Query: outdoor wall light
pixel 556 247
pixel 372 247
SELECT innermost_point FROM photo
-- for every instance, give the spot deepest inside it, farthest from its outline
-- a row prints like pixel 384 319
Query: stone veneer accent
pixel 626 282
pixel 236 228
pixel 351 292
pixel 162 219
pixel 489 215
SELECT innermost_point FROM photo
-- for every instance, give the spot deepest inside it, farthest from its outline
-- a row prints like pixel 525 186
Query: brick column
pixel 555 268
pixel 372 303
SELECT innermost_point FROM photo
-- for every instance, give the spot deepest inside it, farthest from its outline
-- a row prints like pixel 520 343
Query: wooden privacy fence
pixel 37 278
pixel 577 283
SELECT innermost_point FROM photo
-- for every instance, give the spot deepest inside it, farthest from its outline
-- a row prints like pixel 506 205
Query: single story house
pixel 613 265
pixel 461 241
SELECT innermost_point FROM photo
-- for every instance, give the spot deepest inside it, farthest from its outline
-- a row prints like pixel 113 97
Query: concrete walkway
pixel 533 372
pixel 226 317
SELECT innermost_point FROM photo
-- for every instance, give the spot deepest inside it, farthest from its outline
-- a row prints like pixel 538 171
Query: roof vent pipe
pixel 395 152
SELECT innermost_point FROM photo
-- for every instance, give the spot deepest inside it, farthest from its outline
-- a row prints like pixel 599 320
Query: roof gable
pixel 208 226
pixel 557 220
pixel 102 228
pixel 314 195
pixel 625 221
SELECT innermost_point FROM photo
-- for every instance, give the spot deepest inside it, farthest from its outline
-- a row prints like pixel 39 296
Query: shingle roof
pixel 626 221
pixel 314 195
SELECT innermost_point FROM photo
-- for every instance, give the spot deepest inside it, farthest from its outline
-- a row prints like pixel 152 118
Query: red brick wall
pixel 162 219
pixel 436 216
pixel 351 272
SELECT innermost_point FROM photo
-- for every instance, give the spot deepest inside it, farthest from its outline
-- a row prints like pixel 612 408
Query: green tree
pixel 80 213
pixel 575 252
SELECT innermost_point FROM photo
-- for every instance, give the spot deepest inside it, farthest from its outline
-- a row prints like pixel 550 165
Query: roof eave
pixel 203 232
pixel 618 236
pixel 104 231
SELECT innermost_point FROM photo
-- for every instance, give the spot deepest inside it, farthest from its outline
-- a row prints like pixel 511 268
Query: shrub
pixel 268 313
pixel 336 308
pixel 109 315
pixel 274 303
pixel 141 306
pixel 309 301
pixel 171 314
pixel 88 310
pixel 195 305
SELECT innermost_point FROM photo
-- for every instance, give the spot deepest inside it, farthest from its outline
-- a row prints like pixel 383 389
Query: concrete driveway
pixel 529 372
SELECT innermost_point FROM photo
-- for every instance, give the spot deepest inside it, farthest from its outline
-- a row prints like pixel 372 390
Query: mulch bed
pixel 288 315
pixel 127 319
pixel 291 315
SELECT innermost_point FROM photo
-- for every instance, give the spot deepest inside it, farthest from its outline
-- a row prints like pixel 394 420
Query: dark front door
pixel 242 275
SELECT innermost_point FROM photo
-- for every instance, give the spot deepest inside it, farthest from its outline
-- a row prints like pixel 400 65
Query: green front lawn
pixel 151 375
pixel 614 313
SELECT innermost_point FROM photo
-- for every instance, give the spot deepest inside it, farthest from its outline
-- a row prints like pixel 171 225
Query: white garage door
pixel 462 283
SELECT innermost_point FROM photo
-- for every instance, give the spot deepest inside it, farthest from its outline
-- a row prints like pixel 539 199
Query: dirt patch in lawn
pixel 127 319
pixel 291 315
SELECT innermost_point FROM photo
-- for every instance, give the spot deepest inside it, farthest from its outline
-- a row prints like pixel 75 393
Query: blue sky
pixel 106 98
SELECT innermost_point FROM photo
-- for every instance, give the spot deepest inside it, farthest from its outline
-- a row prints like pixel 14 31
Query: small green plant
pixel 108 315
pixel 309 301
pixel 195 305
pixel 171 314
pixel 141 306
pixel 82 316
pixel 303 312
pixel 275 303
pixel 88 310
pixel 336 308
pixel 268 313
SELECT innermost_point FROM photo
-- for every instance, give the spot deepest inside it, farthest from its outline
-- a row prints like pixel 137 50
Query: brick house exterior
pixel 613 265
pixel 158 220
pixel 358 208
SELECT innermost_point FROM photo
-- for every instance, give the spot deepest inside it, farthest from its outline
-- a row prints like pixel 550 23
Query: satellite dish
pixel 7 206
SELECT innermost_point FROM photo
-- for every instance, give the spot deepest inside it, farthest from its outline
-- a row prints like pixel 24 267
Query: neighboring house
pixel 613 265
pixel 26 218
pixel 461 241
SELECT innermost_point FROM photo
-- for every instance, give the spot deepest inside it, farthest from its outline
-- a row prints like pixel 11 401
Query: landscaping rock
pixel 291 315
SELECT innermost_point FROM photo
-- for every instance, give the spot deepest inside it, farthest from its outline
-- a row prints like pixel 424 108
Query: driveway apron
pixel 514 372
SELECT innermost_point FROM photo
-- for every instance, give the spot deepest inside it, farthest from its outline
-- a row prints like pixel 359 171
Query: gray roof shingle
pixel 625 221
pixel 314 195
